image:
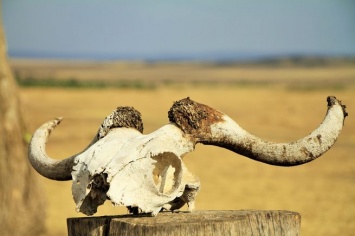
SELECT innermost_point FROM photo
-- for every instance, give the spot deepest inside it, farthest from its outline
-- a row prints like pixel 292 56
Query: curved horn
pixel 209 126
pixel 61 169
pixel 41 162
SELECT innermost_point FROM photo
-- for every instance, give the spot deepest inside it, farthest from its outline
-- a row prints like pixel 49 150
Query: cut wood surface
pixel 243 222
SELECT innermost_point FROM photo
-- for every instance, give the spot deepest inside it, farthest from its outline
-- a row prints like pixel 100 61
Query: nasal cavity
pixel 167 172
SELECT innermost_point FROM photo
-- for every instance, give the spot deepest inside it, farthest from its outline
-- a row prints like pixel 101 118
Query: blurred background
pixel 268 64
pixel 178 30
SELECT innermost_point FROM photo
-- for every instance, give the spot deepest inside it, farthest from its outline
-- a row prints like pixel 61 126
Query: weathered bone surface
pixel 146 172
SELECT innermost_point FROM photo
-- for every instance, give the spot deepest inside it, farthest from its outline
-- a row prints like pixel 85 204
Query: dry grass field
pixel 323 191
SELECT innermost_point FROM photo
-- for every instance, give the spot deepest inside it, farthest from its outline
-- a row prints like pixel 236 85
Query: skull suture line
pixel 145 172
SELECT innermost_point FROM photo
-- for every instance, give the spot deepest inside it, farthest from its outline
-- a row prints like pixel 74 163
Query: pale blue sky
pixel 144 28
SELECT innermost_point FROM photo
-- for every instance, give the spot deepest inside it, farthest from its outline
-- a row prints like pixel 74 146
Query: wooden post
pixel 204 223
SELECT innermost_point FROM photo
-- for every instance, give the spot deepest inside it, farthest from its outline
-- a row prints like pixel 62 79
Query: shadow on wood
pixel 243 222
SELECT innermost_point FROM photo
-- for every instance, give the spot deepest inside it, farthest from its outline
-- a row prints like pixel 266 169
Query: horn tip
pixel 57 120
pixel 332 100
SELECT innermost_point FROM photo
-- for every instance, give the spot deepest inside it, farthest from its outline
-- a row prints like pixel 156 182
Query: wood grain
pixel 243 222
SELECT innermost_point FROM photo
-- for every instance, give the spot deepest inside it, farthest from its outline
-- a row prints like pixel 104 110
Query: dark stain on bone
pixel 125 117
pixel 193 118
pixel 307 152
pixel 319 138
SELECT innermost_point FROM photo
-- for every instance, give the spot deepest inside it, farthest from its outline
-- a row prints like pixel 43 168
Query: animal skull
pixel 146 172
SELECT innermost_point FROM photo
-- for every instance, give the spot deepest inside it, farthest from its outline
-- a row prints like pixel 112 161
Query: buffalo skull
pixel 145 172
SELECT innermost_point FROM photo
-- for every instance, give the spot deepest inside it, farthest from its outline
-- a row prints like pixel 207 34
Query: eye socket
pixel 167 172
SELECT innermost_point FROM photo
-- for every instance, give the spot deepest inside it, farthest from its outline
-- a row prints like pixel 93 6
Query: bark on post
pixel 21 204
pixel 199 223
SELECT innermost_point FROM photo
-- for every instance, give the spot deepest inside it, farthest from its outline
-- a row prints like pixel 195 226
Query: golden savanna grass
pixel 323 191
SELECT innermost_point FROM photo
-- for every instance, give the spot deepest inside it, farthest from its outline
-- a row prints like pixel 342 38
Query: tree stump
pixel 243 222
